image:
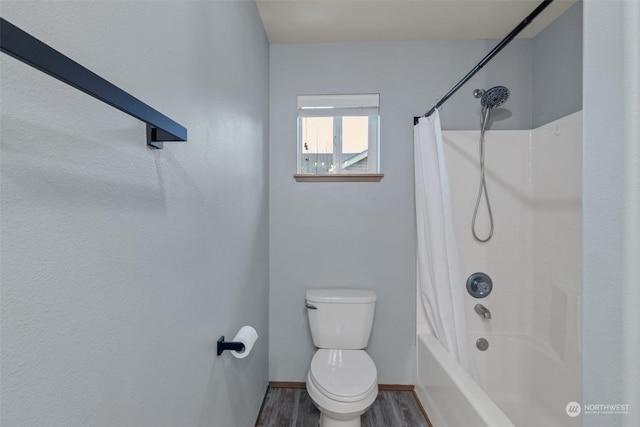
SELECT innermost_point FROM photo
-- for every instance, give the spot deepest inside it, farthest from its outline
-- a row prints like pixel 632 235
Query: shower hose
pixel 483 184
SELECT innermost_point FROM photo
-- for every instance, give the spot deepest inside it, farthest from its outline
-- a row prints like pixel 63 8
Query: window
pixel 338 135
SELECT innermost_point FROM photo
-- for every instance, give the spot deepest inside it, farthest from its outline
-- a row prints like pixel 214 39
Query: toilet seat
pixel 343 375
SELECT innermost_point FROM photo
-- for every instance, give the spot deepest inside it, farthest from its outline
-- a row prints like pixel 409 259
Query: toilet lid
pixel 344 374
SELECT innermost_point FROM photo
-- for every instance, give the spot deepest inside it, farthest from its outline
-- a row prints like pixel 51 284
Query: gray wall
pixel 363 235
pixel 122 265
pixel 611 208
pixel 557 68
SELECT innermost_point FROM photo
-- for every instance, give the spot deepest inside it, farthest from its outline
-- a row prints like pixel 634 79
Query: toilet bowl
pixel 343 385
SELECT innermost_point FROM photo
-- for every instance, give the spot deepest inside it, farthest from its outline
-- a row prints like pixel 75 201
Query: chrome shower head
pixel 494 97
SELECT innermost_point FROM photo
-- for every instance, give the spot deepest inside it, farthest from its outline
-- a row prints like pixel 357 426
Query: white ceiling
pixel 324 21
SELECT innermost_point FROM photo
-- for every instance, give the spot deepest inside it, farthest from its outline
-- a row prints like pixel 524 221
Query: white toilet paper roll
pixel 247 336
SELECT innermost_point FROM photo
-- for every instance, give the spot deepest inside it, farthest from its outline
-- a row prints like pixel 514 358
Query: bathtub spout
pixel 482 311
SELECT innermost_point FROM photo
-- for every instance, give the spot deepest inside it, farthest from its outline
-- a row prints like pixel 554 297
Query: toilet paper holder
pixel 229 345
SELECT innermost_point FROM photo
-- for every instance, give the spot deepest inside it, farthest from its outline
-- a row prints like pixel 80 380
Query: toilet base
pixel 327 421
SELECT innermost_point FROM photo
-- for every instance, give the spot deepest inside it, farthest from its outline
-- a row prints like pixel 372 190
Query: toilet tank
pixel 340 318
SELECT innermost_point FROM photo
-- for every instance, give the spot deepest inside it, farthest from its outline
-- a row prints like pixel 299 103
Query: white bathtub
pixel 520 384
pixel 449 395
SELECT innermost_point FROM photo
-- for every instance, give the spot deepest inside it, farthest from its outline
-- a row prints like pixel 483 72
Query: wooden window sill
pixel 350 177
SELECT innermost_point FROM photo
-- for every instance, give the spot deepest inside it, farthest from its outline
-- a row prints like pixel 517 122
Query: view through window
pixel 338 134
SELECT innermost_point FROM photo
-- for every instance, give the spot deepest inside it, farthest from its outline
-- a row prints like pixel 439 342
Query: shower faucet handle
pixel 479 285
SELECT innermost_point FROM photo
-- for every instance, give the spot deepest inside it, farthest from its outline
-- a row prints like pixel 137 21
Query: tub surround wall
pixel 506 258
pixel 534 255
pixel 122 265
pixel 556 236
pixel 533 258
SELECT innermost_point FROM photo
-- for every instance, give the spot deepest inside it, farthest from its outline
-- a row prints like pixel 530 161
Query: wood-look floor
pixel 292 407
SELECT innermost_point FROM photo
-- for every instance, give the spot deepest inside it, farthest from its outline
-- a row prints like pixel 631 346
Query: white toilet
pixel 342 379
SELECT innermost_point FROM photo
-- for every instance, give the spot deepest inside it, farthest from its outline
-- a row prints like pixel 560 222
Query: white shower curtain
pixel 439 272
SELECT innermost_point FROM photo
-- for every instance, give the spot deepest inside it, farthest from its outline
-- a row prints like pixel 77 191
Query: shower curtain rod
pixel 490 55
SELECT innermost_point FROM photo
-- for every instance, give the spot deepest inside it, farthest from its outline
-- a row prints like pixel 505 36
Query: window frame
pixel 347 106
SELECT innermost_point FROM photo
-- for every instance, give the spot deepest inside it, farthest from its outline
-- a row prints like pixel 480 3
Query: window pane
pixel 338 134
pixel 355 144
pixel 317 145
